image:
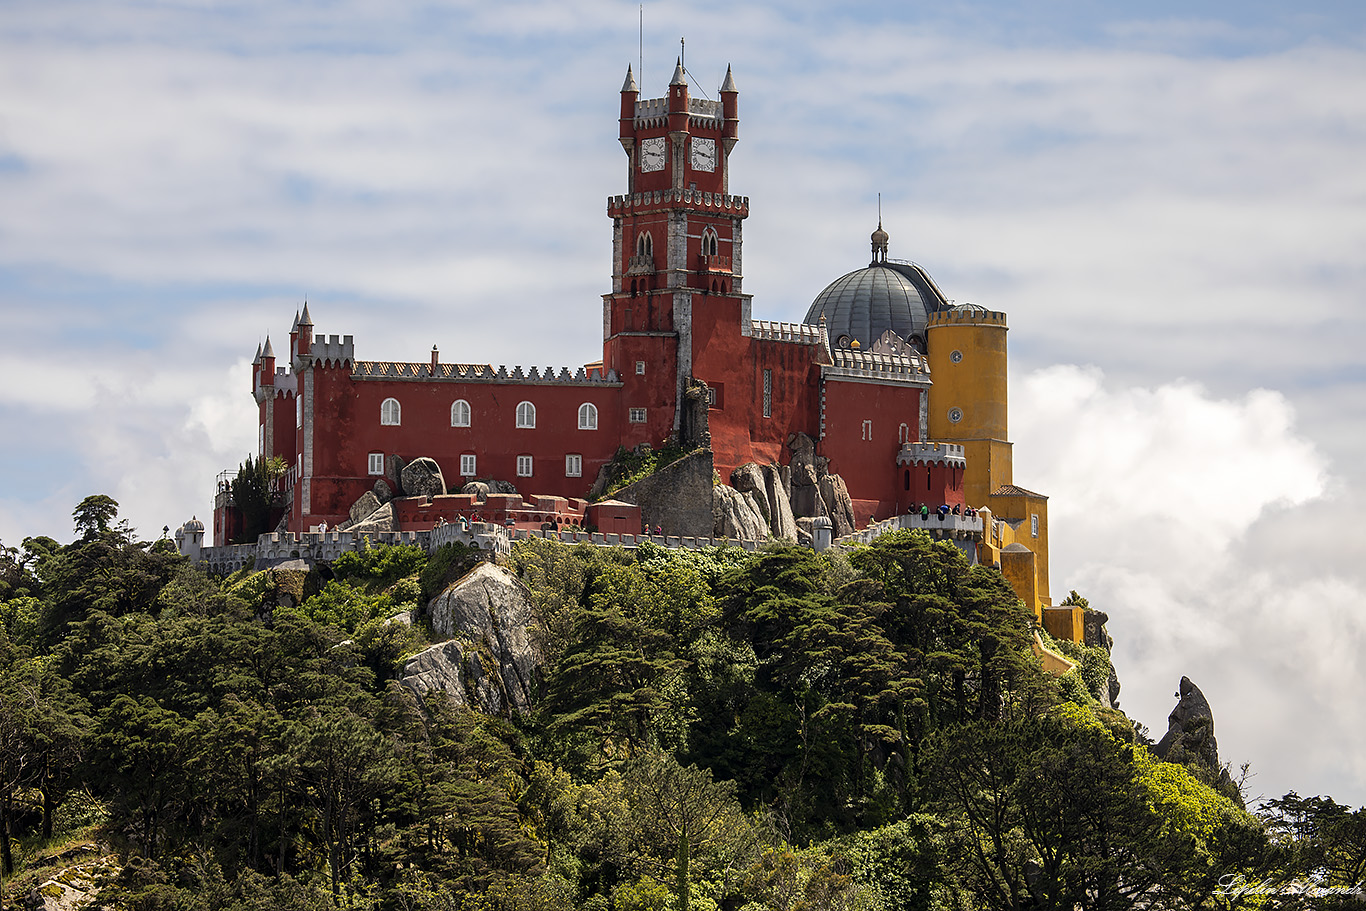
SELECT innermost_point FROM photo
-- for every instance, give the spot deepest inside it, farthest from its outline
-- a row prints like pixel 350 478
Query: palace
pixel 901 392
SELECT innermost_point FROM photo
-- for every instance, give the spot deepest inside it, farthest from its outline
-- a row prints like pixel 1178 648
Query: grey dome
pixel 866 303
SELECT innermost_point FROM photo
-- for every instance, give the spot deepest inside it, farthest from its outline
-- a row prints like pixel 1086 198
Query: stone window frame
pixel 390 413
pixel 573 465
pixel 640 368
pixel 768 392
pixel 375 463
pixel 588 416
pixel 526 465
pixel 460 417
pixel 1034 524
pixel 635 415
pixel 468 465
pixel 526 416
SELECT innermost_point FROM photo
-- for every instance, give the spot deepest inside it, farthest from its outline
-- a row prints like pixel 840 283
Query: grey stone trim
pixel 683 325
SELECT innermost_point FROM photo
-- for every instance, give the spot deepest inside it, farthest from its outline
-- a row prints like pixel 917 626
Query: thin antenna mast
pixel 641 67
pixel 683 53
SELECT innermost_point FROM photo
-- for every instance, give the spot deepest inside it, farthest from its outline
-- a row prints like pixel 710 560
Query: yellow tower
pixel 967 354
pixel 968 406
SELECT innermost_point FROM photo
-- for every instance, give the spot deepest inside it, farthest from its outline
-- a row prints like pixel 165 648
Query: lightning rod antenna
pixel 641 67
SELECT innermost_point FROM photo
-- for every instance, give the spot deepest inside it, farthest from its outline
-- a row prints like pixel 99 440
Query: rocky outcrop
pixel 839 508
pixel 381 519
pixel 488 661
pixel 422 478
pixel 805 482
pixel 737 515
pixel 1190 729
pixel 382 491
pixel 478 488
pixel 780 518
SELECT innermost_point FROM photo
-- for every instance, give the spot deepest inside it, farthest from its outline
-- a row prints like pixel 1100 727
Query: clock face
pixel 652 154
pixel 703 154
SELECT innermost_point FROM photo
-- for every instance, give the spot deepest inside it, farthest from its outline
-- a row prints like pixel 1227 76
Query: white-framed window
pixel 390 412
pixel 377 463
pixel 640 368
pixel 588 416
pixel 903 434
pixel 768 393
pixel 711 396
pixel 460 413
pixel 573 466
pixel 524 465
pixel 468 464
pixel 867 430
pixel 1034 524
pixel 636 415
pixel 298 411
pixel 526 414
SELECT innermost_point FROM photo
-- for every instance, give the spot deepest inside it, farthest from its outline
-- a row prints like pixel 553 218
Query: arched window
pixel 390 412
pixel 588 416
pixel 526 415
pixel 460 413
pixel 645 245
pixel 709 244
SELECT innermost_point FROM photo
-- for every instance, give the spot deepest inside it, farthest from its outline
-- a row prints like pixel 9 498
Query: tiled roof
pixel 1010 490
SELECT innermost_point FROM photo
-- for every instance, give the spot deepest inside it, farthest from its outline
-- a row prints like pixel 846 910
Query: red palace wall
pixel 866 459
pixel 936 484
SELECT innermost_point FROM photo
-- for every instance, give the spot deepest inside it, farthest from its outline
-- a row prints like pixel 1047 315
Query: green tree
pixel 253 493
pixel 94 516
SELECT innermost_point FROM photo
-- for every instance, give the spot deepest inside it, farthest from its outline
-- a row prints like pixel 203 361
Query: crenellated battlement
pixel 967 315
pixel 797 333
pixel 334 351
pixel 622 206
pixel 479 373
pixel 853 363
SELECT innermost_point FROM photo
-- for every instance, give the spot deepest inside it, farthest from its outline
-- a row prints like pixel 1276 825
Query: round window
pixel 955 415
pixel 956 356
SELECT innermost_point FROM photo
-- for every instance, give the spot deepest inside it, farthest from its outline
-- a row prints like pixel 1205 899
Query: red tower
pixel 676 254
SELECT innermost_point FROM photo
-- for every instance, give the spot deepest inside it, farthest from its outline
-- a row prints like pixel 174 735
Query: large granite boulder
pixel 780 518
pixel 422 478
pixel 489 661
pixel 1190 729
pixel 478 488
pixel 747 477
pixel 381 519
pixel 382 491
pixel 839 507
pixel 737 515
pixel 364 507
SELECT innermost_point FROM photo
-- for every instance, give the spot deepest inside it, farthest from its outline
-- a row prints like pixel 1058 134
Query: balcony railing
pixel 711 263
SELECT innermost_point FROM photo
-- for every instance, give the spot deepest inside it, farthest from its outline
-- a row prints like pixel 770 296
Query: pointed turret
pixel 730 109
pixel 256 369
pixel 879 239
pixel 304 347
pixel 257 359
pixel 630 94
pixel 268 364
pixel 678 102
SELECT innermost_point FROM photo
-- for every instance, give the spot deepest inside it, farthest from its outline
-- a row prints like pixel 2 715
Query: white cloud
pixel 1166 506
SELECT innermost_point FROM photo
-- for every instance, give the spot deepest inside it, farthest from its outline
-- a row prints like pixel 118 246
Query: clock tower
pixel 676 280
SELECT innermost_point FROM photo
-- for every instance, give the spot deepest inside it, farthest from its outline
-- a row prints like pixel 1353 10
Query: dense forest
pixel 865 729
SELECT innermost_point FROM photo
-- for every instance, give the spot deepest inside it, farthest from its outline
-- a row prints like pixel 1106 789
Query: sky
pixel 1168 200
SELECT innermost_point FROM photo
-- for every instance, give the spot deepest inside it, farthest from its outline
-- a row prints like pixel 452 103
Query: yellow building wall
pixel 1019 568
pixel 1019 510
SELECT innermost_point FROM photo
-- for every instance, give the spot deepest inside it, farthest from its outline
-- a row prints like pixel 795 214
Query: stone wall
pixel 677 497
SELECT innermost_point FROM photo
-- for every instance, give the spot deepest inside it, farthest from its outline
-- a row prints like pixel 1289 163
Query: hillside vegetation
pixel 714 730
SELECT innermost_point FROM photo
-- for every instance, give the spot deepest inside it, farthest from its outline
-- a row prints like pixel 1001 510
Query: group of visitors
pixel 943 509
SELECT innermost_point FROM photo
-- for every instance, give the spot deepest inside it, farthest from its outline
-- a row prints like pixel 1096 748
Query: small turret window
pixel 526 415
pixel 390 412
pixel 460 413
pixel 645 245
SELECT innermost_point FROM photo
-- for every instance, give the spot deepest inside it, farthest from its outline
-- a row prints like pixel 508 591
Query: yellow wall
pixel 976 385
pixel 1018 508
